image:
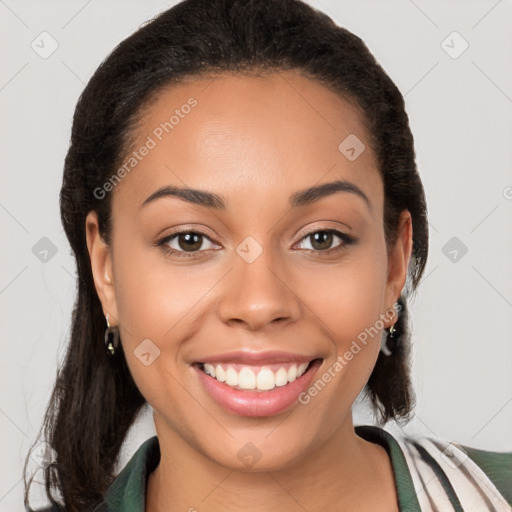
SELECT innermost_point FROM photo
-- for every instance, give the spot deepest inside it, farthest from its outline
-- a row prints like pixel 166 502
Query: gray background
pixel 460 111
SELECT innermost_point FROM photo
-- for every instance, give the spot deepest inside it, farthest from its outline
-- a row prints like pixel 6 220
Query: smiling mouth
pixel 256 377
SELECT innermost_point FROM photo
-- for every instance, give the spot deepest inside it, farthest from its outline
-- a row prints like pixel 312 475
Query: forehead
pixel 231 133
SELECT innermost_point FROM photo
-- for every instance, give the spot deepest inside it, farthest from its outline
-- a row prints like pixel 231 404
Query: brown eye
pixel 324 240
pixel 190 241
pixel 187 241
pixel 321 240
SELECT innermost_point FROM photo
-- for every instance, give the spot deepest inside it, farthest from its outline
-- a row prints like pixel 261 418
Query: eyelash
pixel 345 239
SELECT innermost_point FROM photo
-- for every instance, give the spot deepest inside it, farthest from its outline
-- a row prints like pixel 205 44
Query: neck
pixel 346 472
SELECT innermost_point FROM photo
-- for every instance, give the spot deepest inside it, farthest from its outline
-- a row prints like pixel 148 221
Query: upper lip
pixel 256 358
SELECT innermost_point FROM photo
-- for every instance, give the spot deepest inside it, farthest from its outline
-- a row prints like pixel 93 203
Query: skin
pixel 255 141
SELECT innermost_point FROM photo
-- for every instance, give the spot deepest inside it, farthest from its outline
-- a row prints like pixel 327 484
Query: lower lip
pixel 257 403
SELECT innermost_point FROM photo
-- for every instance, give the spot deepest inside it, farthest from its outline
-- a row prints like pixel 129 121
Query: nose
pixel 256 295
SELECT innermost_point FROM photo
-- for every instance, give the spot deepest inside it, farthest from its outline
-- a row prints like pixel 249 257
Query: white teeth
pixel 220 374
pixel 266 379
pixel 209 369
pixel 281 377
pixel 232 377
pixel 247 378
pixel 301 369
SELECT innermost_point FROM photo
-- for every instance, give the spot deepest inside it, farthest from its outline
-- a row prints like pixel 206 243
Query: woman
pixel 242 199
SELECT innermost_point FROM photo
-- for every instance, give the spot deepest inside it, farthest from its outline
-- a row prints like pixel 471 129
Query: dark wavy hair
pixel 95 400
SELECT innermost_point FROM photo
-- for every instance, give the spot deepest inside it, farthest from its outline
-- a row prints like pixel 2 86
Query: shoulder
pixel 128 489
pixel 465 475
pixel 432 473
pixel 497 466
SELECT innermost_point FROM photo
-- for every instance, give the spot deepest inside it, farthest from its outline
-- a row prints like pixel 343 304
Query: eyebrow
pixel 310 195
pixel 301 198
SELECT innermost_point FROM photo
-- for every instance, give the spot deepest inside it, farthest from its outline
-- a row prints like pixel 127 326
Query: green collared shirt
pixel 429 475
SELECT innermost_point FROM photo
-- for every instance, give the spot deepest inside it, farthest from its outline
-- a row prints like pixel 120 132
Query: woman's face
pixel 265 278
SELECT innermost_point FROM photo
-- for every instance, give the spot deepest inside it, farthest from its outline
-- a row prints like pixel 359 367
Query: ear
pixel 398 262
pixel 101 265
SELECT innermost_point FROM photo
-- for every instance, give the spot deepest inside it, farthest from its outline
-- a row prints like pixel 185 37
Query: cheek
pixel 348 300
pixel 348 297
pixel 154 295
pixel 160 302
